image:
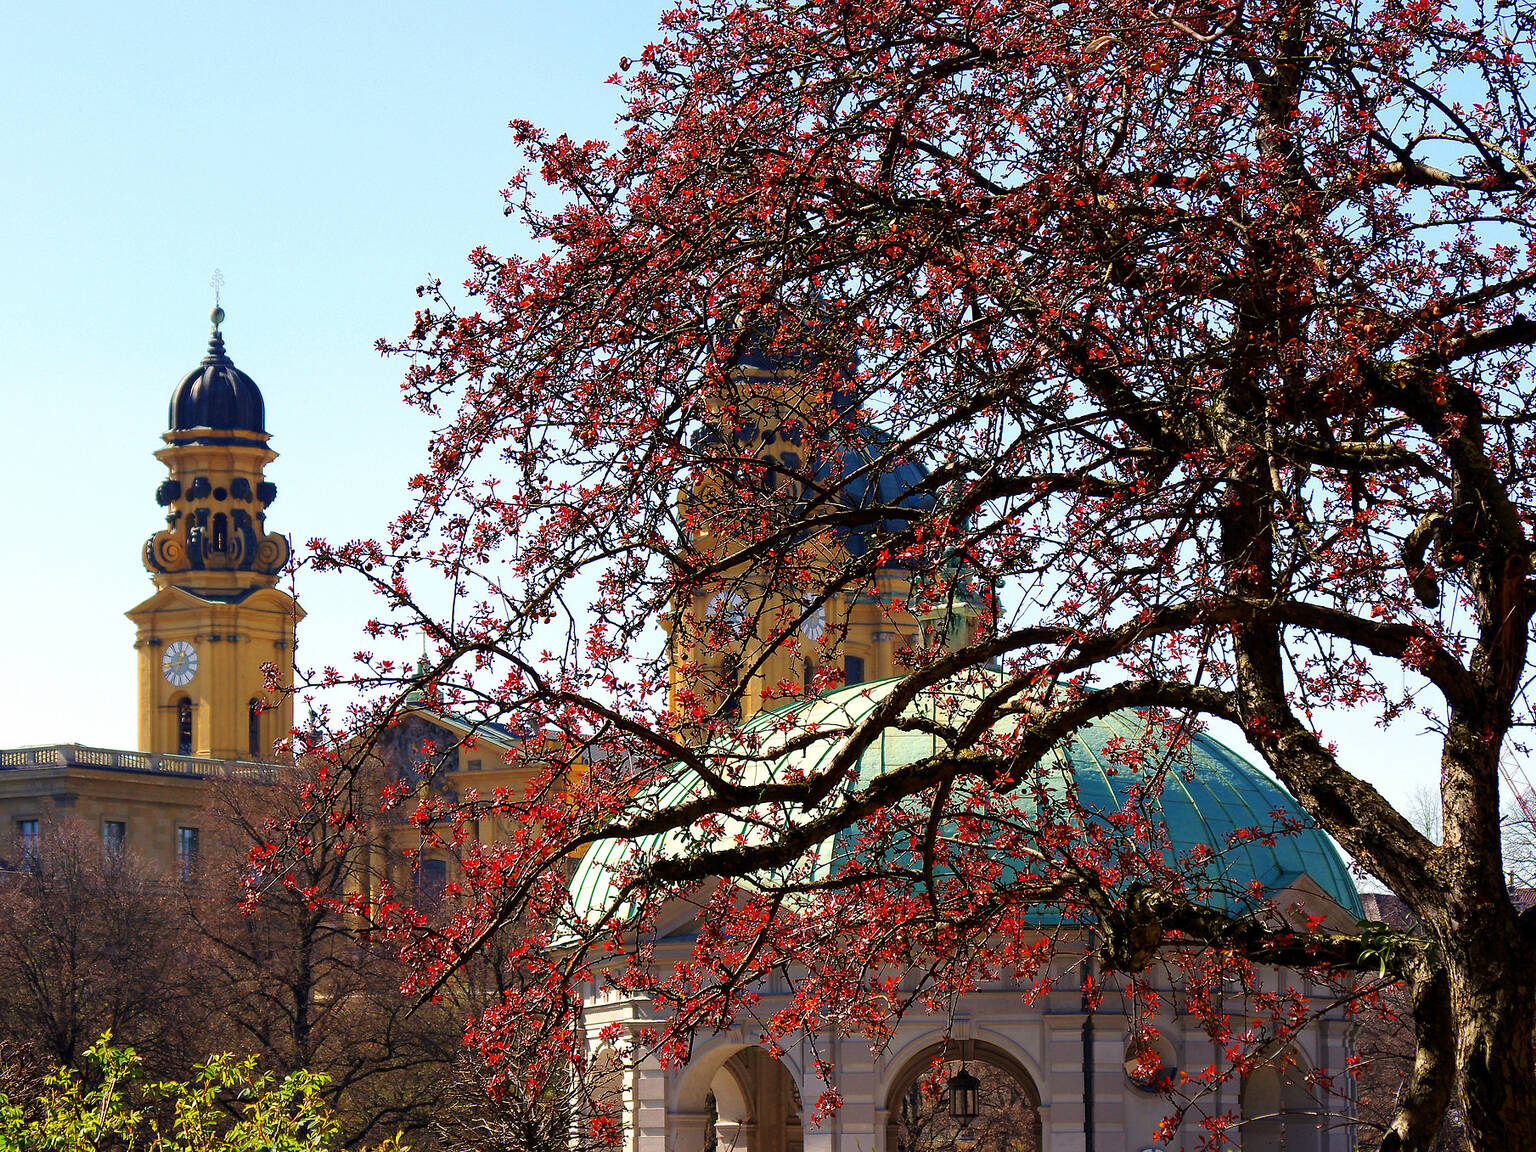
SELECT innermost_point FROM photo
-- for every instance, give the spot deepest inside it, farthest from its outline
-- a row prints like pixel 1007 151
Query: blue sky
pixel 328 158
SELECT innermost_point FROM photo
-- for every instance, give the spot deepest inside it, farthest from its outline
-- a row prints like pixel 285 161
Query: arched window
pixel 184 726
pixel 255 723
pixel 220 532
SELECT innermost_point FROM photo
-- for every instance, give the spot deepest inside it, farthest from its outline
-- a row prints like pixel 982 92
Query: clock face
pixel 815 624
pixel 731 608
pixel 179 664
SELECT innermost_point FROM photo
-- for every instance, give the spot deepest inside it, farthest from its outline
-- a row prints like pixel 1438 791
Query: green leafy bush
pixel 227 1107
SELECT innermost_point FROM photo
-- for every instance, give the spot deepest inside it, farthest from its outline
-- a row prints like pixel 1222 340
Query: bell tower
pixel 217 617
pixel 757 637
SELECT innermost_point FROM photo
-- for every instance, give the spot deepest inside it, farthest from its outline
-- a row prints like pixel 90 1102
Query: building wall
pixel 151 805
pixel 665 1109
pixel 153 794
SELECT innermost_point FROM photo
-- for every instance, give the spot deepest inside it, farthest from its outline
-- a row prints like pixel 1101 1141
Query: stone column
pixel 735 1136
pixel 686 1131
pixel 1335 1038
pixel 1062 1126
pixel 647 1106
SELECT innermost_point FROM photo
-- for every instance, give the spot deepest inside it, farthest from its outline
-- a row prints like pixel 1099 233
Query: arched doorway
pixel 923 1117
pixel 736 1098
pixel 1279 1110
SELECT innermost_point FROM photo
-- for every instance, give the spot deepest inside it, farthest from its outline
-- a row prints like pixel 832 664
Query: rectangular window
pixel 258 749
pixel 186 852
pixel 474 765
pixel 113 833
pixel 431 883
pixel 29 838
pixel 853 669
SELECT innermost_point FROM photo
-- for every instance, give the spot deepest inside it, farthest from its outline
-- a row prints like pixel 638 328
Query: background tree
pixel 96 941
pixel 90 942
pixel 302 987
pixel 1205 324
pixel 483 1112
pixel 228 1106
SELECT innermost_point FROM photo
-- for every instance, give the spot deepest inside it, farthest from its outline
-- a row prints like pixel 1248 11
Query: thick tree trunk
pixel 1488 968
pixel 1491 992
pixel 1422 1106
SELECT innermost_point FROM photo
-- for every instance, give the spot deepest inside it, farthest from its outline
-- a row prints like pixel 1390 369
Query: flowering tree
pixel 1177 349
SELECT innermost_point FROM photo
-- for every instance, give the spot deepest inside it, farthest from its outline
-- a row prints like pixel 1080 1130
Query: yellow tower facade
pixel 802 640
pixel 217 631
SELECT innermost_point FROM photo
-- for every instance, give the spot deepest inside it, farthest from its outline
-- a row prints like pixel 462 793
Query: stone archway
pixel 1008 1103
pixel 741 1100
pixel 762 1114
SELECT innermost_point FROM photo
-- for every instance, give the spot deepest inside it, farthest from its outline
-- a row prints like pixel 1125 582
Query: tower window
pixel 255 722
pixel 730 680
pixel 220 532
pixel 853 669
pixel 186 852
pixel 184 727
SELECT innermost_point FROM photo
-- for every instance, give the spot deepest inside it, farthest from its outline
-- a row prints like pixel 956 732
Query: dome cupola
pixel 217 395
pixel 1230 833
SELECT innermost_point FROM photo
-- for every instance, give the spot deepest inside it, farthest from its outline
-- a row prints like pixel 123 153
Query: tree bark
pixel 1491 992
pixel 1421 1110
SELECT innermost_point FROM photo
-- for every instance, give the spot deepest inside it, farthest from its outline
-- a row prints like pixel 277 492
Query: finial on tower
pixel 216 341
pixel 216 282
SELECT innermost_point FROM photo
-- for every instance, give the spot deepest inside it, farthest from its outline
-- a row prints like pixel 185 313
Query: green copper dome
pixel 1208 801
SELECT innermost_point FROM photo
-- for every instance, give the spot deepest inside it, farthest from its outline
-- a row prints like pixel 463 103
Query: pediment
pixel 1298 896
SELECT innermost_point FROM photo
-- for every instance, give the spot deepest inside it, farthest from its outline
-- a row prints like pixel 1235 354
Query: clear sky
pixel 327 158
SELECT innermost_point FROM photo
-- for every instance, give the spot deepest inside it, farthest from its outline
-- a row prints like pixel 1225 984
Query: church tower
pixel 217 616
pixel 832 629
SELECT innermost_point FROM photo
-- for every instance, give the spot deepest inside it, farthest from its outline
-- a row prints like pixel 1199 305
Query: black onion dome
pixel 216 394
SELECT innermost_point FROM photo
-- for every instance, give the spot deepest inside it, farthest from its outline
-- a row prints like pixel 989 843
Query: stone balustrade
pixel 118 760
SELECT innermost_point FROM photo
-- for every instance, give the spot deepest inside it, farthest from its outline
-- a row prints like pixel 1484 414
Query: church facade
pixel 1009 1070
pixel 1057 1072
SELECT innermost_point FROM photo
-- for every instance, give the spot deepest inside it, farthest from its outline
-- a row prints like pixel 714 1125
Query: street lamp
pixel 962 1095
